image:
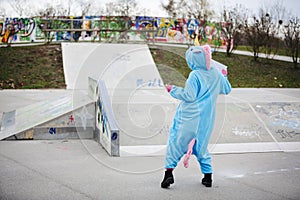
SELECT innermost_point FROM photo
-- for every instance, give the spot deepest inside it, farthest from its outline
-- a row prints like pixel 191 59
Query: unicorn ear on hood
pixel 207 51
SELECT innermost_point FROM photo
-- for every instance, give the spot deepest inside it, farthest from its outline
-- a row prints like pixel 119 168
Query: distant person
pixel 195 116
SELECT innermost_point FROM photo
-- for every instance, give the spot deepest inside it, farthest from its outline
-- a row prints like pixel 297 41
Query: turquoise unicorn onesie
pixel 195 116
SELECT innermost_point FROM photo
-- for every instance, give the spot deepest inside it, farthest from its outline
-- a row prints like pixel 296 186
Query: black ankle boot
pixel 207 181
pixel 168 179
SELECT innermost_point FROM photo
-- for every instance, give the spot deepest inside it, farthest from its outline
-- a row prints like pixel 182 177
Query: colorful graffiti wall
pixel 17 29
pixel 110 28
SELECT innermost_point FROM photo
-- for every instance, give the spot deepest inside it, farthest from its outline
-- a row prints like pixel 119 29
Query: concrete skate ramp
pixel 110 63
pixel 142 107
pixel 34 114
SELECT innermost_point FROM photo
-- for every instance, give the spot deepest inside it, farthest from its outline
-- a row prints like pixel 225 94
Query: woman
pixel 195 116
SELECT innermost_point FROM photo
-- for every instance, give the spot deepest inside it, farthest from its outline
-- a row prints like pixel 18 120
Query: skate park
pixel 104 136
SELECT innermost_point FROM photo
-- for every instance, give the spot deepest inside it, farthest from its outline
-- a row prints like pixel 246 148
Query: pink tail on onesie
pixel 189 153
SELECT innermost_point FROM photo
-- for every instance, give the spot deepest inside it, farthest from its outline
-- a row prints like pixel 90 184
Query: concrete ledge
pixel 46 133
pixel 57 133
pixel 261 147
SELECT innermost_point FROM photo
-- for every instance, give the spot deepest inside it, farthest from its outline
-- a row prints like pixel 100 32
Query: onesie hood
pixel 198 57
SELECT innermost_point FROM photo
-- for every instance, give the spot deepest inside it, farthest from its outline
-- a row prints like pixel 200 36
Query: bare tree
pixel 279 11
pixel 232 26
pixel 260 33
pixel 85 6
pixel 2 11
pixel 53 11
pixel 270 31
pixel 170 8
pixel 273 13
pixel 125 7
pixel 199 9
pixel 110 8
pixel 19 6
pixel 253 36
pixel 292 38
pixel 69 6
pixel 50 19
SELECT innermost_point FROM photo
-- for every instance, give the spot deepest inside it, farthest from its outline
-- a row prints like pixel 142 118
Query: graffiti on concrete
pixel 283 118
pixel 71 120
pixel 110 28
pixel 285 115
pixel 16 29
pixel 52 131
pixel 156 82
pixel 251 131
pixel 287 134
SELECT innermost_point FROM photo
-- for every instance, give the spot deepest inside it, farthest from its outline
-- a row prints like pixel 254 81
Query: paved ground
pixel 81 169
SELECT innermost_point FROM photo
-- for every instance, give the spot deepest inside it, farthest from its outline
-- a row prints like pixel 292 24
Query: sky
pixel 153 7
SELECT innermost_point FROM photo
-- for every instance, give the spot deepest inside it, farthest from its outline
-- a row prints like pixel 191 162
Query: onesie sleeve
pixel 225 86
pixel 189 92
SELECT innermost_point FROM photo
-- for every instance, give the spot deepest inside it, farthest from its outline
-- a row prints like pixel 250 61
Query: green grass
pixel 243 71
pixel 31 67
pixel 41 67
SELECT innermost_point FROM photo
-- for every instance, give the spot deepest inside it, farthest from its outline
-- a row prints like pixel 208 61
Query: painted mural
pixel 110 28
pixel 17 29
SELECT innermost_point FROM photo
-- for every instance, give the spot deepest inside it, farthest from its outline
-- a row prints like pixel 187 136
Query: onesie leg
pixel 205 163
pixel 206 169
pixel 173 154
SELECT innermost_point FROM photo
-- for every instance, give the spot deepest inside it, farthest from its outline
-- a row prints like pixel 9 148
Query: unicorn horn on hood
pixel 196 41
